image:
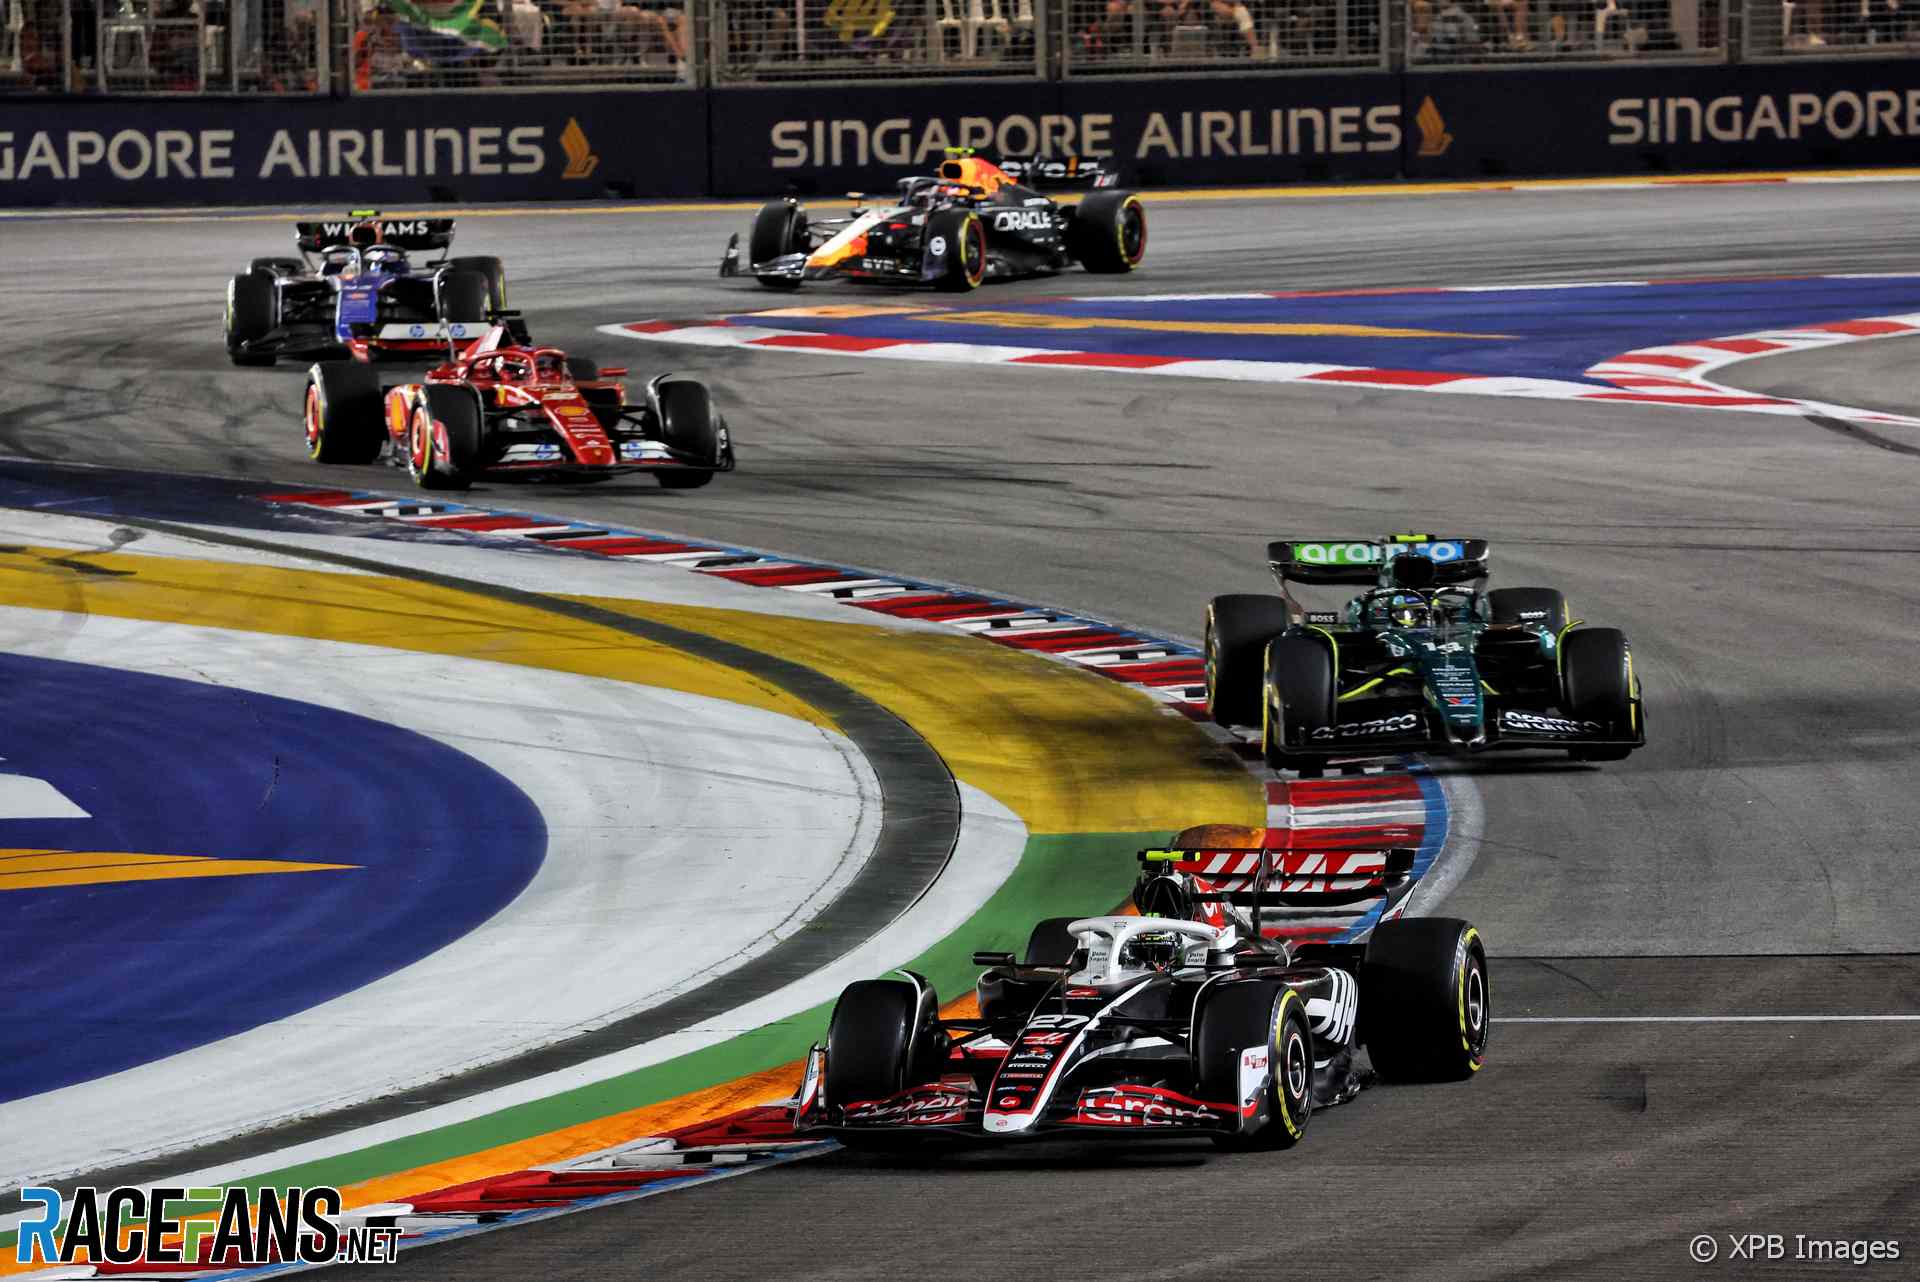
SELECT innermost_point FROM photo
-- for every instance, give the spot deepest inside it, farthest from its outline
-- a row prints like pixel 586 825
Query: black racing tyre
pixel 957 240
pixel 1236 1016
pixel 463 298
pixel 252 312
pixel 495 273
pixel 779 229
pixel 1051 943
pixel 1297 700
pixel 1597 684
pixel 1425 1005
pixel 583 369
pixel 1545 606
pixel 345 414
pixel 1239 625
pixel 1108 233
pixel 278 266
pixel 458 410
pixel 870 1041
pixel 689 425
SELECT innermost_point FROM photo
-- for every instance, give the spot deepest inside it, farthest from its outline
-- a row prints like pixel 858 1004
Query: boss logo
pixel 1362 729
pixel 1023 220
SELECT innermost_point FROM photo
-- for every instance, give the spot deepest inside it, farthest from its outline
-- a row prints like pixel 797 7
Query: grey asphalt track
pixel 1767 569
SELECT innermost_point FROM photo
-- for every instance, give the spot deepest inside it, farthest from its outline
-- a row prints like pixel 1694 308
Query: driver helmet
pixel 364 235
pixel 1159 950
pixel 514 369
pixel 1409 610
pixel 550 366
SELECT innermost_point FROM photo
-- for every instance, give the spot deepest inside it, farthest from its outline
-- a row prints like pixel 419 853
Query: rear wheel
pixel 277 266
pixel 1546 606
pixel 1238 629
pixel 463 299
pixel 1238 1017
pixel 957 240
pixel 1298 699
pixel 457 410
pixel 493 271
pixel 1109 232
pixel 1425 1005
pixel 344 417
pixel 779 229
pixel 1597 684
pixel 251 315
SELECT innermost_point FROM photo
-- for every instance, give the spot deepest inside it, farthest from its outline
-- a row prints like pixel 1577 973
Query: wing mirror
pixel 993 959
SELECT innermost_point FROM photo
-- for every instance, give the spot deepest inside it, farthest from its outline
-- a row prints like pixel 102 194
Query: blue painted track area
pixel 151 957
pixel 1536 332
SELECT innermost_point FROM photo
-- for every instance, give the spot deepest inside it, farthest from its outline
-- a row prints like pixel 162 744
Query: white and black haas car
pixel 972 221
pixel 1157 1025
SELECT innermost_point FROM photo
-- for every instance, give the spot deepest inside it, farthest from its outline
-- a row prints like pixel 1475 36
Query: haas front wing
pixel 1096 1067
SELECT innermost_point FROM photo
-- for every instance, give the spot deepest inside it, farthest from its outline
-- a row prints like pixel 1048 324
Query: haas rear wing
pixel 1174 882
pixel 401 233
pixel 1333 561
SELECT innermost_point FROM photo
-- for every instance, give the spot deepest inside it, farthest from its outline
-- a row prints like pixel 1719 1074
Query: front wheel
pixel 450 458
pixel 1297 702
pixel 493 271
pixel 1597 683
pixel 344 417
pixel 779 229
pixel 251 316
pixel 1239 626
pixel 1425 1004
pixel 1241 1020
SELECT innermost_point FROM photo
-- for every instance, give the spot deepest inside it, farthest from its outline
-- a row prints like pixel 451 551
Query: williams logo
pixel 231 1227
pixel 581 161
pixel 1434 138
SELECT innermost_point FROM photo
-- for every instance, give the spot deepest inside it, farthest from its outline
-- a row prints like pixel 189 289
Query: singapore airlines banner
pixel 457 147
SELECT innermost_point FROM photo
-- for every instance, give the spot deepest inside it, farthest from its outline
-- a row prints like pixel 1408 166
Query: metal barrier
pixel 1478 32
pixel 146 47
pixel 1826 28
pixel 760 41
pixel 346 47
pixel 1120 36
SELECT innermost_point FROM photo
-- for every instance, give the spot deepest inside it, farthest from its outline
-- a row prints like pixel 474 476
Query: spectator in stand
pixel 1235 25
pixel 379 58
pixel 1103 27
pixel 1513 19
pixel 1456 34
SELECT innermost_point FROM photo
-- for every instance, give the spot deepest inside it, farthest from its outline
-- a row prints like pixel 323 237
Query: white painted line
pixel 24 797
pixel 1707 1019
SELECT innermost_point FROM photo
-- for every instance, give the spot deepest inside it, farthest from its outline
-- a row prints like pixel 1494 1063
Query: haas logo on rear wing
pixel 1199 883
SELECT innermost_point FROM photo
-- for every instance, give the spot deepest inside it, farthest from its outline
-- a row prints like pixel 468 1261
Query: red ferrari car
pixel 503 406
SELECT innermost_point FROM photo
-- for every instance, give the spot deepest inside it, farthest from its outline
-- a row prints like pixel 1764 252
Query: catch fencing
pixel 344 48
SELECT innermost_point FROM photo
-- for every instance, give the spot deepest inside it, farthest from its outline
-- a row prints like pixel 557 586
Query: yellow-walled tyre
pixel 1425 1003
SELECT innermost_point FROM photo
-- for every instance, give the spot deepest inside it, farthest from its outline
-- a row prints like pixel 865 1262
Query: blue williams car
pixel 355 291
